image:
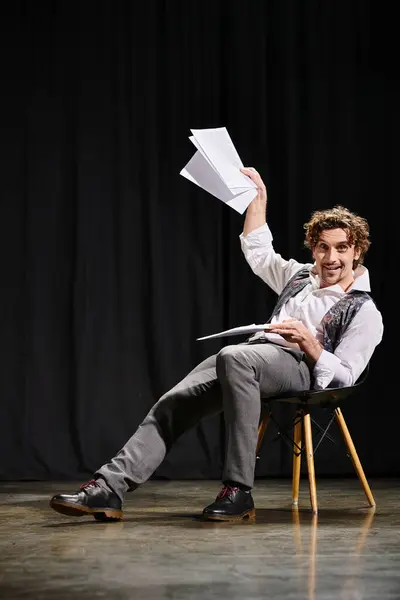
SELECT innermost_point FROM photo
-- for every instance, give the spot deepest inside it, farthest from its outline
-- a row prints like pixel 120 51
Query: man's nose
pixel 332 254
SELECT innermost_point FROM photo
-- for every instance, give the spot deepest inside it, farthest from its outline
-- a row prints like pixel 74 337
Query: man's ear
pixel 357 253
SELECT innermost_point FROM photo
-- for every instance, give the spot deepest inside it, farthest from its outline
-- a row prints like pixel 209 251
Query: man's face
pixel 334 258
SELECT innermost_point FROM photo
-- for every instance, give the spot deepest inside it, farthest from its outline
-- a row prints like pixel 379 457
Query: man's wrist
pixel 257 210
pixel 312 348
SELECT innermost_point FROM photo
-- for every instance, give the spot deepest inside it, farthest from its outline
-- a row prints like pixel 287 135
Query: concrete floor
pixel 162 550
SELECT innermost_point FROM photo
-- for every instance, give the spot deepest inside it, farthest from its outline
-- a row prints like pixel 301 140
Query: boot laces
pixel 90 483
pixel 227 492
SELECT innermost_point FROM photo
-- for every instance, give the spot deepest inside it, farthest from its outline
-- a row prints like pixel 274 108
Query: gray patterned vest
pixel 337 319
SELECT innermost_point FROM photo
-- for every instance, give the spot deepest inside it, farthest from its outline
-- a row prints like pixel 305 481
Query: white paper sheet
pixel 215 167
pixel 242 330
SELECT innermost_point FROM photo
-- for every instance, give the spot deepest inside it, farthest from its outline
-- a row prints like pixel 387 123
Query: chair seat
pixel 325 398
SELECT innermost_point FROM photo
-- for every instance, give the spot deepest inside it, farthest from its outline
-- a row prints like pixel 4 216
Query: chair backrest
pixel 326 397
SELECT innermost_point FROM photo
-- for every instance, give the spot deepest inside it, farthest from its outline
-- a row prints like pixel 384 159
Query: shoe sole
pixel 249 515
pixel 71 510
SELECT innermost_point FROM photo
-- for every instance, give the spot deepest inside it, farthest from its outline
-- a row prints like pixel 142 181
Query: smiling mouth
pixel 331 269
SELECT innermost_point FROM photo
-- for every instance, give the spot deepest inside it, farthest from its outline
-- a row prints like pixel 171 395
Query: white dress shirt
pixel 345 365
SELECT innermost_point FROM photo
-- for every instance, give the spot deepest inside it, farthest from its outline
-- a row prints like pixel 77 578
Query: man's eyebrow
pixel 341 243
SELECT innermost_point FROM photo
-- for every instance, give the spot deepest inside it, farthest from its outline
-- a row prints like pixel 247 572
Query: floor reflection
pixel 309 549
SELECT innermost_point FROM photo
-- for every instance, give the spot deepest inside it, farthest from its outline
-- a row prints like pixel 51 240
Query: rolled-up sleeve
pixel 327 368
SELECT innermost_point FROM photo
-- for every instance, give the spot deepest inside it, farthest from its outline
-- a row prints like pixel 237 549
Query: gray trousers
pixel 232 381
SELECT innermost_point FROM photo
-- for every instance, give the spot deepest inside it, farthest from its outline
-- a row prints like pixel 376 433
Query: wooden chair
pixel 304 401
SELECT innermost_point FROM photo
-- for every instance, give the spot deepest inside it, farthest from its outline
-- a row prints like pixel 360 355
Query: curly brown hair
pixel 356 228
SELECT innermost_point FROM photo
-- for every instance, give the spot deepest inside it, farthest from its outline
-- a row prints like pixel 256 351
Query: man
pixel 323 332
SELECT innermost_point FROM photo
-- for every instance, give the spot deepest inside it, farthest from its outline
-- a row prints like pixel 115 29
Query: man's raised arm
pixel 256 211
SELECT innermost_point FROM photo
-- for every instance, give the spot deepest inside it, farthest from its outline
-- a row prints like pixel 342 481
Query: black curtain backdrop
pixel 112 263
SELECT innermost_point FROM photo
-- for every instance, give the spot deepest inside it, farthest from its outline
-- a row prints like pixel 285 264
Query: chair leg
pixel 297 456
pixel 262 428
pixel 354 457
pixel 310 461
